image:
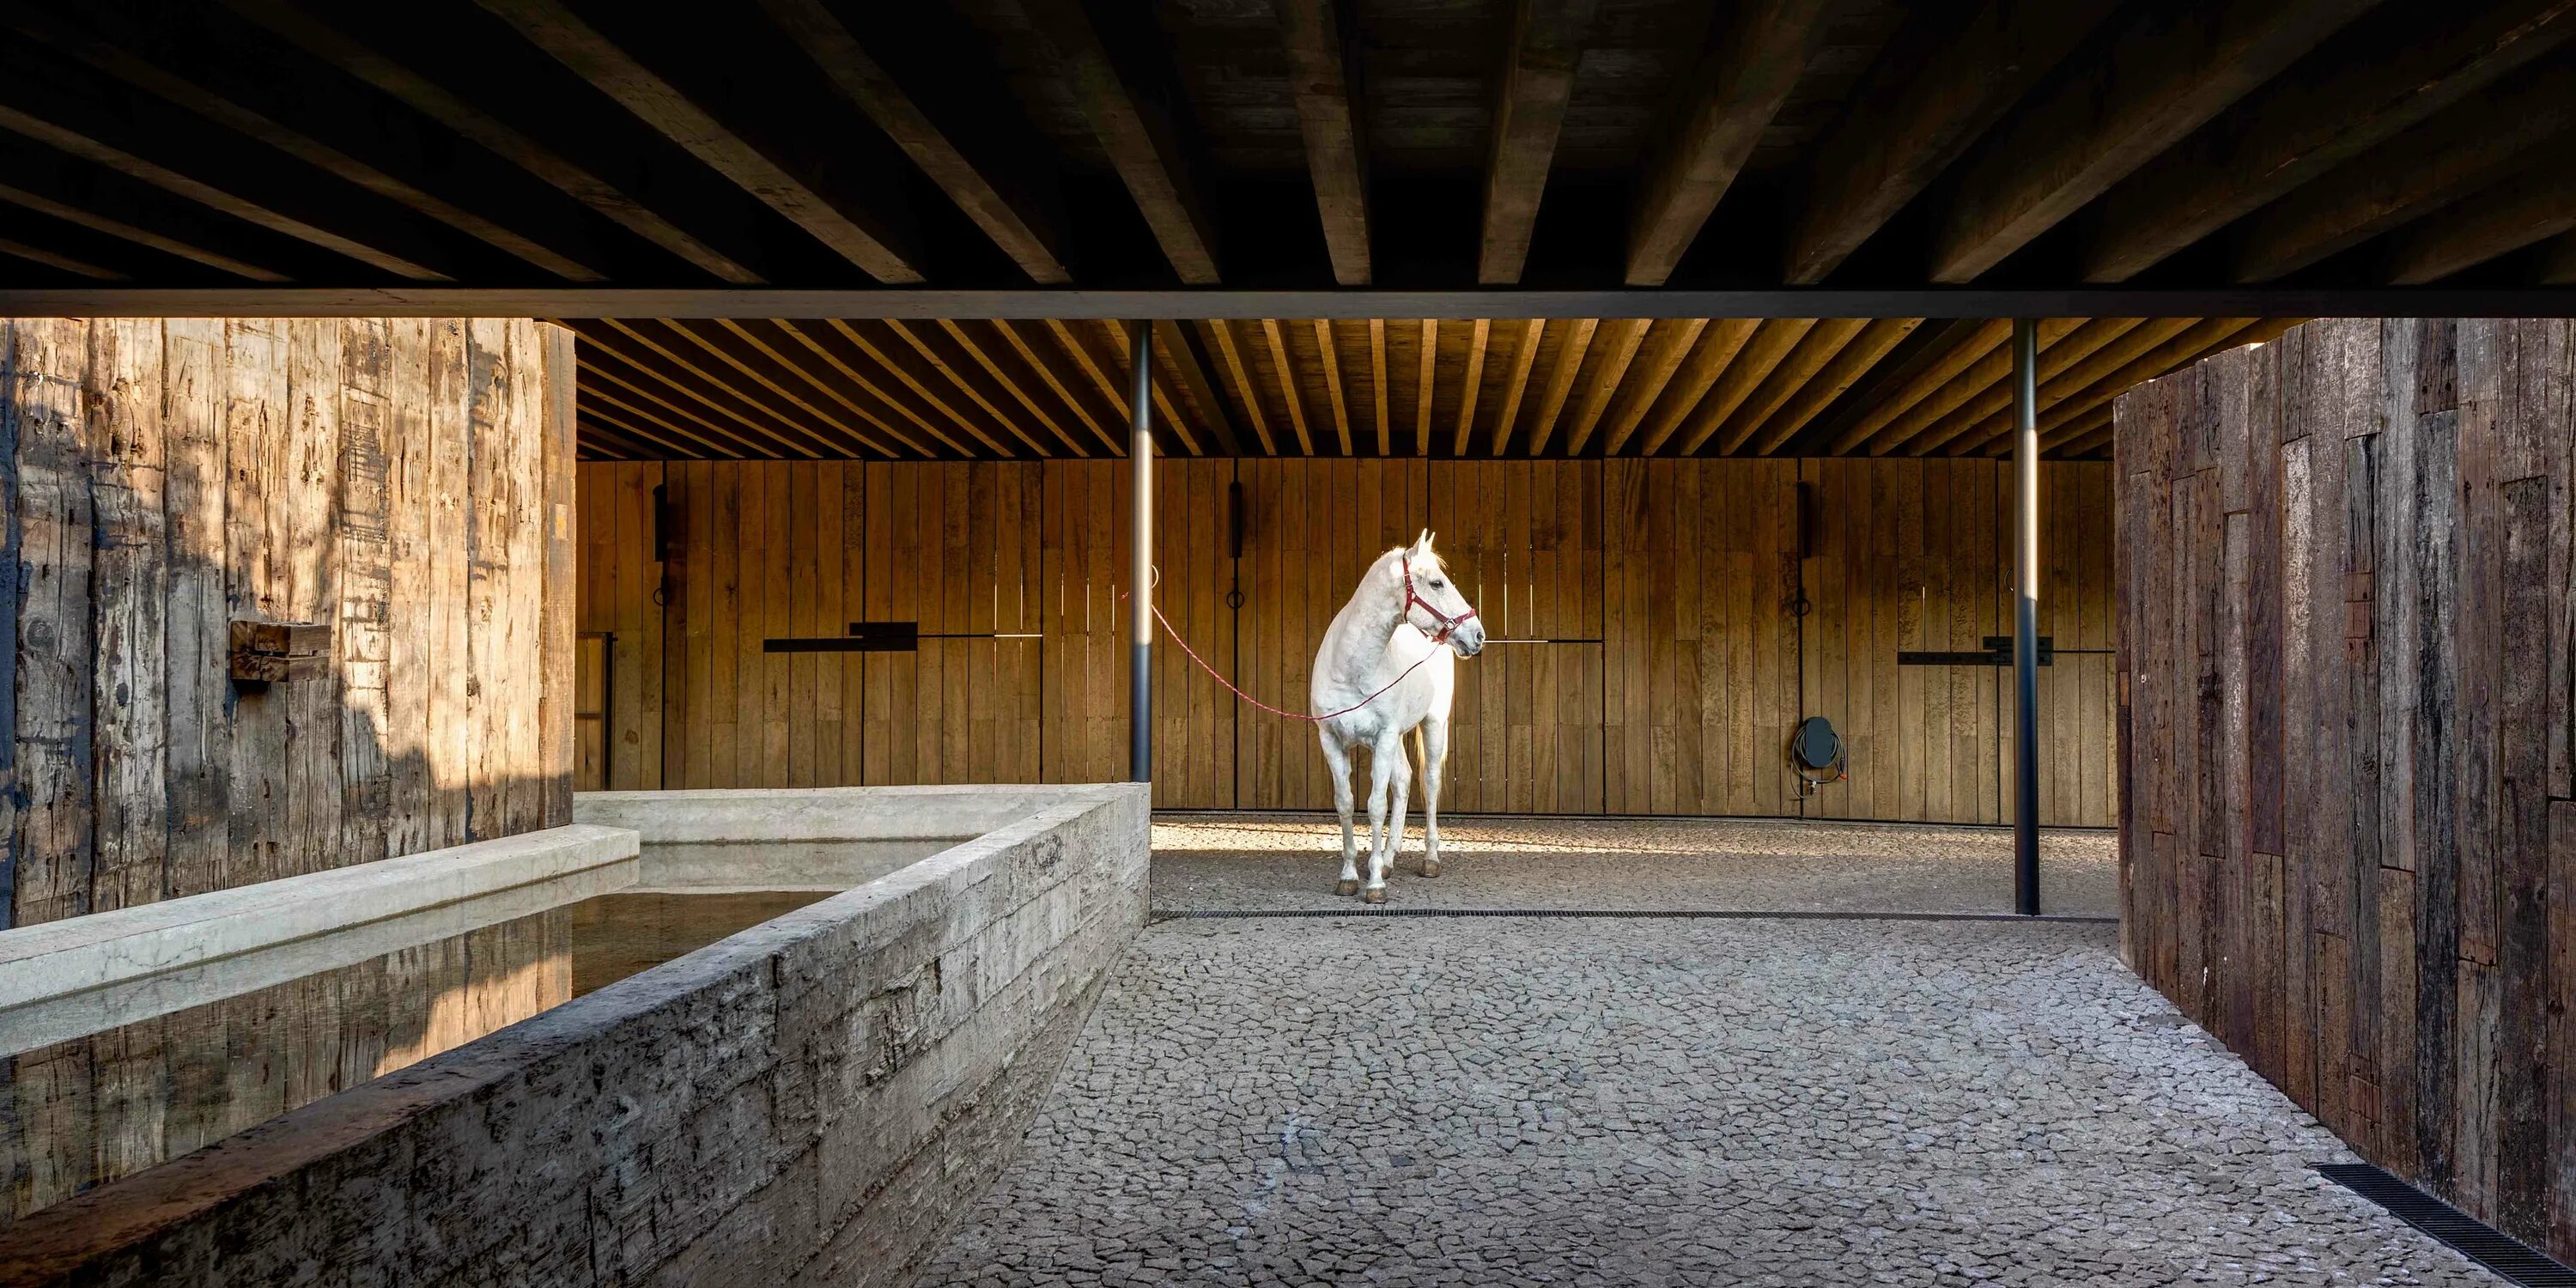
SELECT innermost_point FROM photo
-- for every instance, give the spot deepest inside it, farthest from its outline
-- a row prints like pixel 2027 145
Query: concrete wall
pixel 807 1102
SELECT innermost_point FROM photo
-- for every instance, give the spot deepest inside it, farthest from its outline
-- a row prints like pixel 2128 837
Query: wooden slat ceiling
pixel 1580 387
pixel 1444 144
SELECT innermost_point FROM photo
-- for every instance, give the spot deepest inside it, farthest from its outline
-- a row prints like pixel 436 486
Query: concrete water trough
pixel 695 1037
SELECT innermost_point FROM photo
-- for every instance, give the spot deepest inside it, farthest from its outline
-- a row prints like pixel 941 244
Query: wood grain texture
pixel 388 477
pixel 2342 560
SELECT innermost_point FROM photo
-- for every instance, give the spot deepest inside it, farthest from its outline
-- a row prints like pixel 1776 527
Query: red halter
pixel 1448 625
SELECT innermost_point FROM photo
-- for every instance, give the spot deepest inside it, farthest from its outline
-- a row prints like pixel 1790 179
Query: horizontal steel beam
pixel 1040 303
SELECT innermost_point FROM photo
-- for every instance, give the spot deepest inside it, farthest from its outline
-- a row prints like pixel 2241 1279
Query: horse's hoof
pixel 1376 894
pixel 1346 887
pixel 1431 867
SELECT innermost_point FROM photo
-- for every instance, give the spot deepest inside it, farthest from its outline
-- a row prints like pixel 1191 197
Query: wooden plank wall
pixel 2350 845
pixel 1655 659
pixel 409 481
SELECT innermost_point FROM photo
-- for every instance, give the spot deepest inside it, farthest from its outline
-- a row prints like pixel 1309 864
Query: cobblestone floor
pixel 1249 861
pixel 1569 1101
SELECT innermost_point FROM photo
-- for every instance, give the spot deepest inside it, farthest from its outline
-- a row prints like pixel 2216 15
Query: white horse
pixel 1399 633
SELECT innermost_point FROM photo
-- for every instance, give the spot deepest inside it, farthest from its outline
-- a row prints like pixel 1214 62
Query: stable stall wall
pixel 2348 844
pixel 408 482
pixel 1659 659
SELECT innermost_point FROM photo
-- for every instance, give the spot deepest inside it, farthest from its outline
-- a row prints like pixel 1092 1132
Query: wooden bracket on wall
pixel 264 652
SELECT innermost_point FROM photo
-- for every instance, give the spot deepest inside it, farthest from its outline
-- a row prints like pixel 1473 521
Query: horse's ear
pixel 1422 544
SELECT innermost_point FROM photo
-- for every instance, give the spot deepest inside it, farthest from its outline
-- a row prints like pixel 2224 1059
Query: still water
pixel 77 1113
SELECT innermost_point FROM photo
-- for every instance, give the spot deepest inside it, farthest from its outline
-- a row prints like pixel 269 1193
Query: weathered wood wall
pixel 1653 658
pixel 2349 847
pixel 408 481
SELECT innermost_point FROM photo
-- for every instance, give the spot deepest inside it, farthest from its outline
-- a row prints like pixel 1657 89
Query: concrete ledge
pixel 811 1101
pixel 819 814
pixel 60 958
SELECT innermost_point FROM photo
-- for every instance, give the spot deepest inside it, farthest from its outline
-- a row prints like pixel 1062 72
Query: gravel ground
pixel 1239 862
pixel 1527 1101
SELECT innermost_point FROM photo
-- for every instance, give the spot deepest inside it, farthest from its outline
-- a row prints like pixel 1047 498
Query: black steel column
pixel 2026 617
pixel 1140 562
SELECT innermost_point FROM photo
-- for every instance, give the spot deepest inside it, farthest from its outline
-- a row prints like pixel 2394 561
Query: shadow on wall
pixel 406 482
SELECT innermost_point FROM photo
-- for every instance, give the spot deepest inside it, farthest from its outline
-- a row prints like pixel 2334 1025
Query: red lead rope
pixel 1447 625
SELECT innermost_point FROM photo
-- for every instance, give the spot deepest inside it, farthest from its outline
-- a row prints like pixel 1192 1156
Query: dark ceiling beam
pixel 2531 207
pixel 898 362
pixel 985 357
pixel 1561 374
pixel 2173 68
pixel 1626 336
pixel 1056 384
pixel 920 338
pixel 1479 335
pixel 1758 57
pixel 101 153
pixel 353 57
pixel 1856 359
pixel 1771 343
pixel 2421 170
pixel 1126 105
pixel 57 260
pixel 600 345
pixel 1529 110
pixel 1031 304
pixel 2558 260
pixel 1285 375
pixel 2386 73
pixel 1331 358
pixel 25 173
pixel 220 85
pixel 856 235
pixel 1240 372
pixel 1177 346
pixel 1946 77
pixel 1323 76
pixel 977 185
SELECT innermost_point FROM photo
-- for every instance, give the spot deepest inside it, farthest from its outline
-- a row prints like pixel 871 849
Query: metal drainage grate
pixel 1722 914
pixel 2464 1234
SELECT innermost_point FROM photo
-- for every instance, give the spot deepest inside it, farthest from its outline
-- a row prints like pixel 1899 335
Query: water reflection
pixel 79 1113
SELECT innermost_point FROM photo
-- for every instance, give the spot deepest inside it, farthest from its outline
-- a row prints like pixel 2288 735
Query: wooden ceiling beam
pixel 1674 344
pixel 2531 207
pixel 1179 350
pixel 1946 77
pixel 99 153
pixel 977 186
pixel 1056 384
pixel 1718 347
pixel 639 441
pixel 1529 110
pixel 1377 384
pixel 2169 72
pixel 1244 388
pixel 2072 349
pixel 1761 357
pixel 2088 435
pixel 1818 392
pixel 1823 342
pixel 1560 380
pixel 918 337
pixel 119 229
pixel 1524 358
pixel 55 259
pixel 325 42
pixel 840 365
pixel 1994 366
pixel 1759 56
pixel 1995 419
pixel 1426 383
pixel 855 235
pixel 1626 336
pixel 1286 376
pixel 600 438
pixel 199 92
pixel 907 372
pixel 2390 71
pixel 596 337
pixel 1114 386
pixel 1136 130
pixel 1323 77
pixel 714 442
pixel 1332 361
pixel 2205 336
pixel 983 356
pixel 2420 170
pixel 1935 374
pixel 696 335
pixel 1479 334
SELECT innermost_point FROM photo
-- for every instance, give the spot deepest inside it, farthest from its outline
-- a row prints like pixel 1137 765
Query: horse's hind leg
pixel 1435 761
pixel 1337 766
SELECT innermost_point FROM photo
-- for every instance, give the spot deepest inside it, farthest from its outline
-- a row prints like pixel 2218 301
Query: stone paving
pixel 1248 861
pixel 1661 1101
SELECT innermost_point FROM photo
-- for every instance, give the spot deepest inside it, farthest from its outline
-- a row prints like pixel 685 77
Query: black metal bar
pixel 1958 657
pixel 1140 568
pixel 2026 616
pixel 1191 303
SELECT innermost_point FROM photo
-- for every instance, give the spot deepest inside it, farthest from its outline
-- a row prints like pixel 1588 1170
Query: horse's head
pixel 1432 602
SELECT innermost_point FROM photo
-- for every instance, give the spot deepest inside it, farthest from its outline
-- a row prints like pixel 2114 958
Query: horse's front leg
pixel 1337 765
pixel 1435 762
pixel 1388 774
